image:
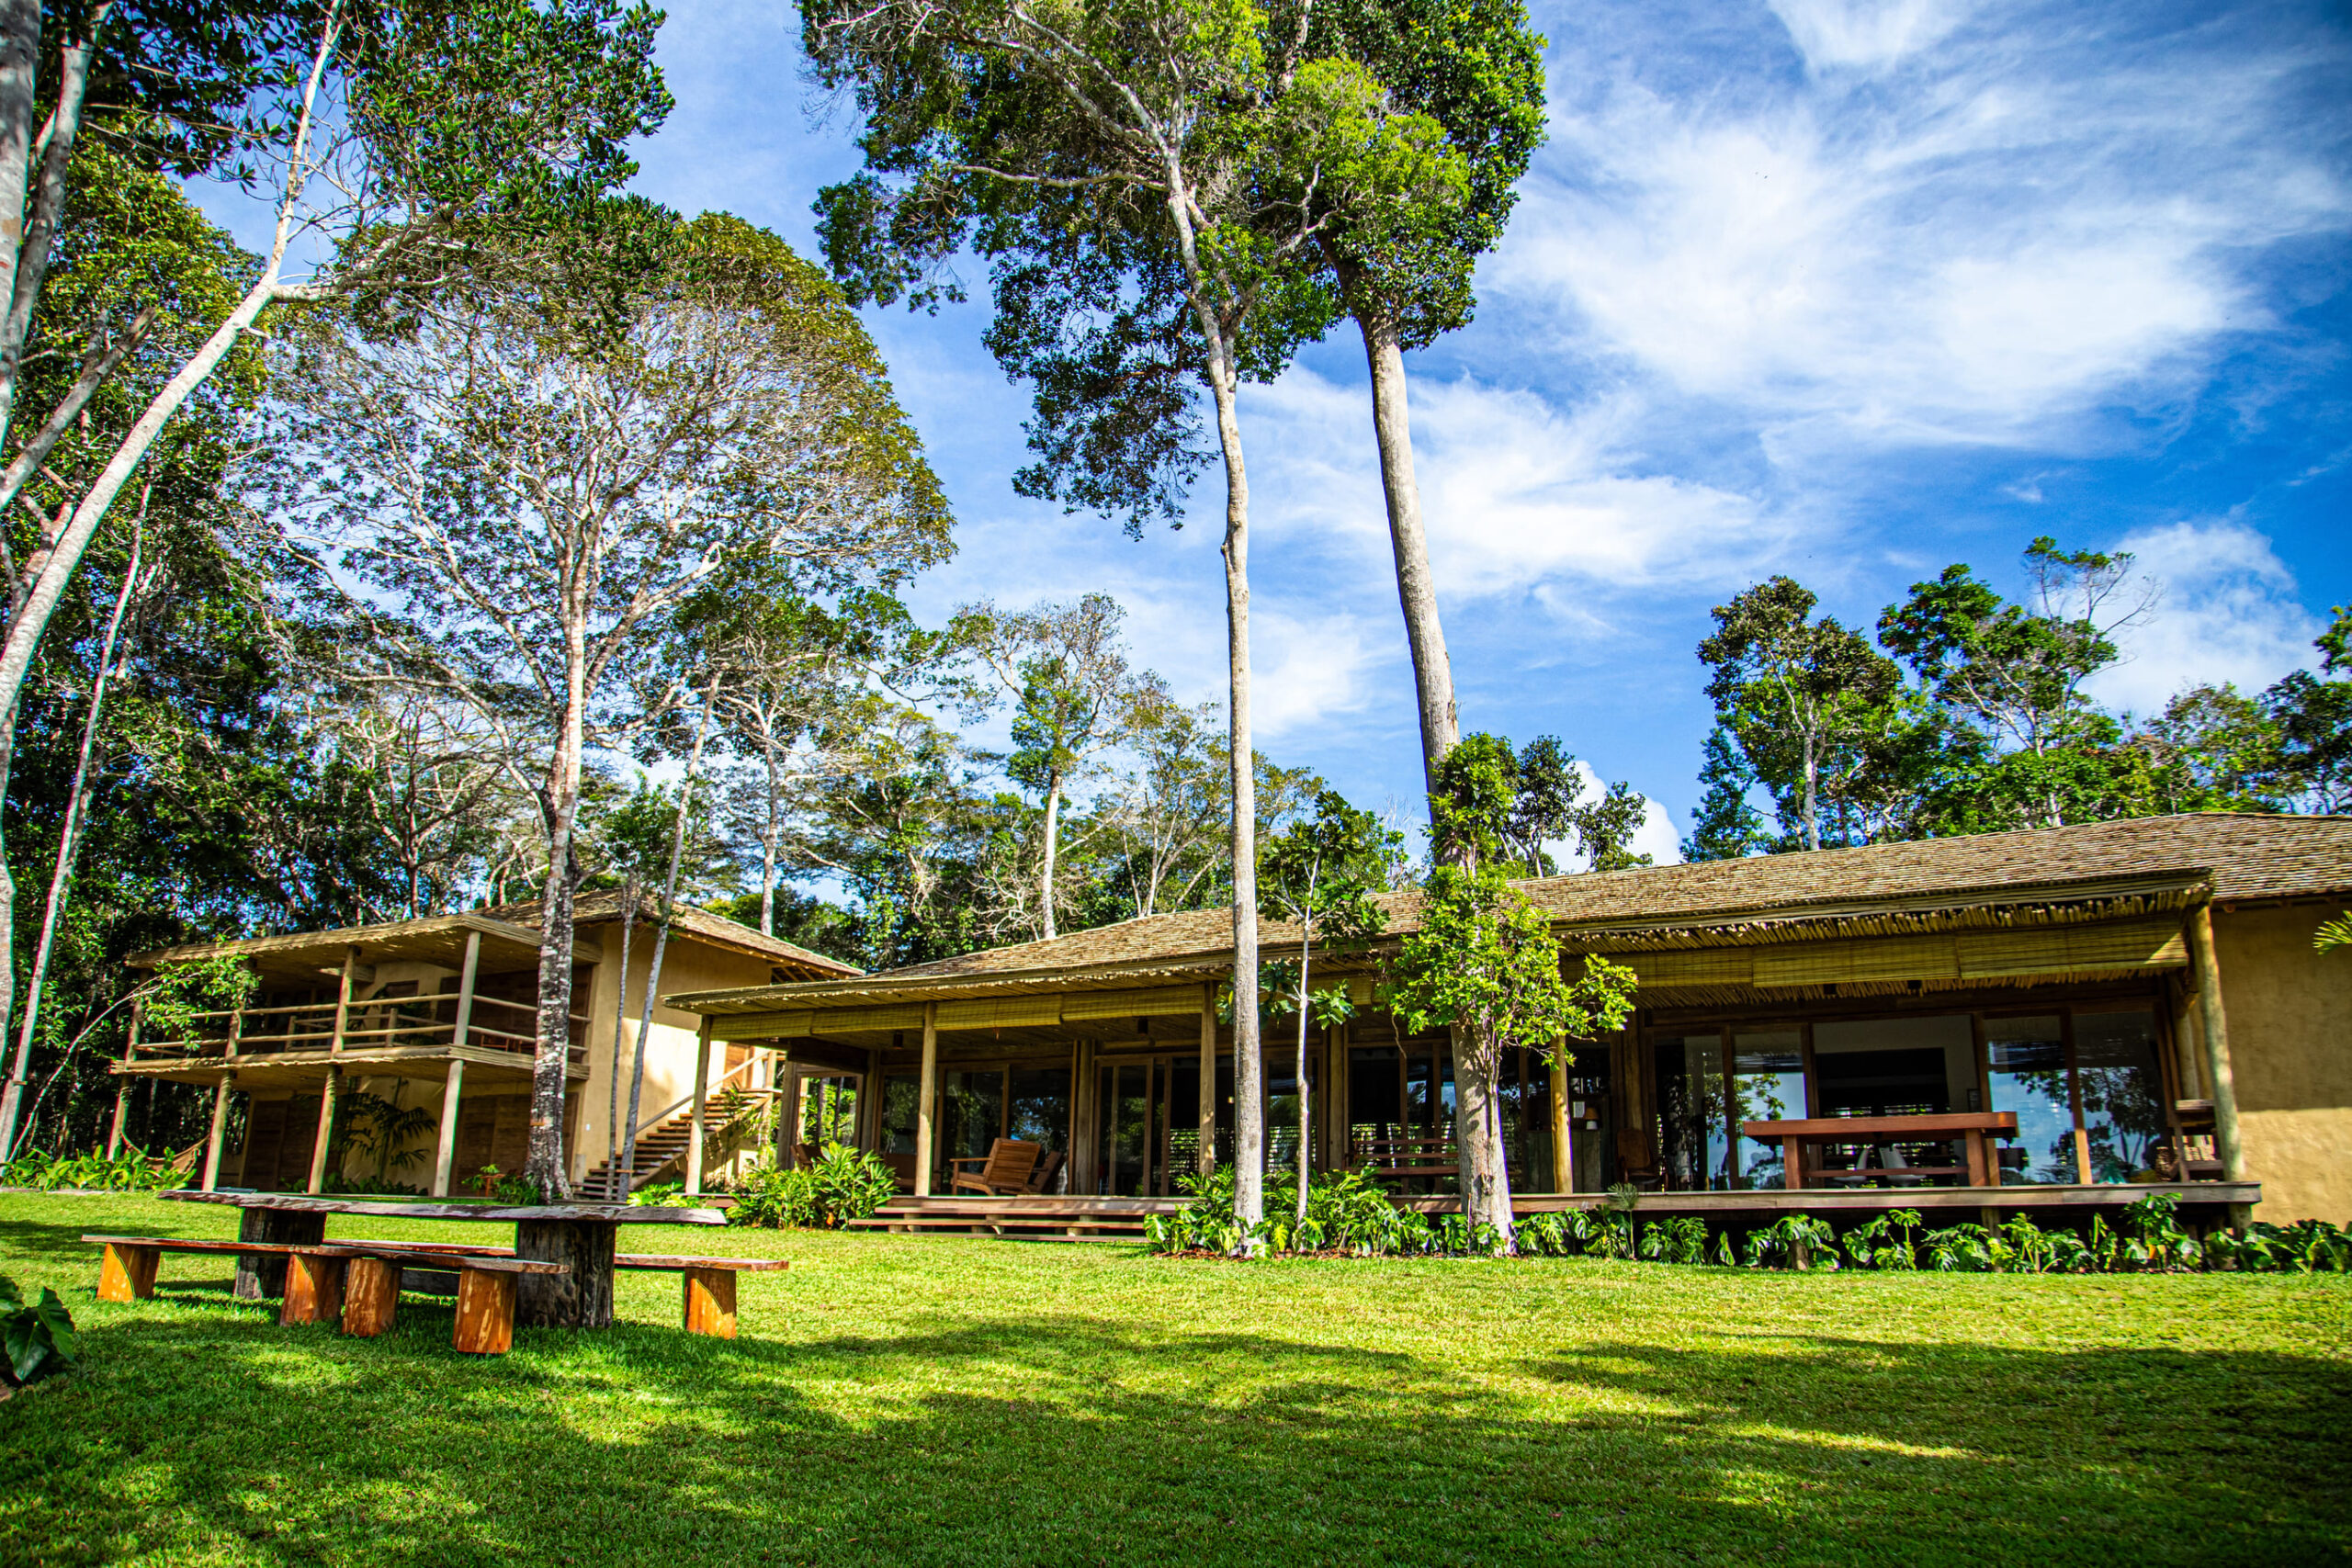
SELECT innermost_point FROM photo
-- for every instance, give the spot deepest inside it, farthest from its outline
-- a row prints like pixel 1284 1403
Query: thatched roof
pixel 2101 870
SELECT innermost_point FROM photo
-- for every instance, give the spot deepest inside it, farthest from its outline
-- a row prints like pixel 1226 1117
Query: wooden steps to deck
pixel 662 1149
pixel 1035 1218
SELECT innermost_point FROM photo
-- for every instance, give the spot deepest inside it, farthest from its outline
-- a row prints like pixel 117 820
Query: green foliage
pixel 2307 1246
pixel 844 1184
pixel 133 1169
pixel 659 1195
pixel 37 1338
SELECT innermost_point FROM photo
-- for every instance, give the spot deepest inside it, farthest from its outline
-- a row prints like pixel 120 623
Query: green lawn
pixel 968 1402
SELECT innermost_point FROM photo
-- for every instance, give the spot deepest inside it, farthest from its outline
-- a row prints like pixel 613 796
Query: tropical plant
pixel 131 1170
pixel 1796 1241
pixel 38 1337
pixel 842 1184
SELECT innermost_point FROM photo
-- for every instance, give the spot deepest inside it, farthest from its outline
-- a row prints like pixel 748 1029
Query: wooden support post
pixel 122 1094
pixel 219 1132
pixel 710 1302
pixel 334 1074
pixel 128 1274
pixel 326 1130
pixel 1563 1164
pixel 1208 1080
pixel 2218 1075
pixel 444 1156
pixel 485 1312
pixel 701 1092
pixel 371 1296
pixel 1793 1163
pixel 2075 1099
pixel 927 1099
pixel 792 1114
pixel 313 1290
pixel 466 973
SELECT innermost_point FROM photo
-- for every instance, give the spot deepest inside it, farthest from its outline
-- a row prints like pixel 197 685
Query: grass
pixel 971 1403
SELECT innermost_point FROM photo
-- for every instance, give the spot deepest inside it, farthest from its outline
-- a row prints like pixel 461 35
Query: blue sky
pixel 1841 289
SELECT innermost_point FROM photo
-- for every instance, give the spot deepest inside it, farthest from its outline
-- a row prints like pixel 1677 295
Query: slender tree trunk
pixel 1811 805
pixel 18 22
pixel 1249 1067
pixel 661 929
pixel 768 847
pixel 1305 946
pixel 1053 824
pixel 69 844
pixel 614 1132
pixel 1416 591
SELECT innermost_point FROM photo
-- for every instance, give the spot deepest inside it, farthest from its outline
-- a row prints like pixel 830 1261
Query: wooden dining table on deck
pixel 582 1235
pixel 1976 1129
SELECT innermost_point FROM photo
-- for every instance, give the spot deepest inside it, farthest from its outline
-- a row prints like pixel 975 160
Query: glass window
pixel 1767 1085
pixel 1374 1109
pixel 971 1112
pixel 2026 1059
pixel 1041 1106
pixel 899 1093
pixel 1694 1138
pixel 2122 1090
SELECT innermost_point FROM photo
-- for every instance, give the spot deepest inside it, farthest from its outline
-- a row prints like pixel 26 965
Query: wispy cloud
pixel 2227 611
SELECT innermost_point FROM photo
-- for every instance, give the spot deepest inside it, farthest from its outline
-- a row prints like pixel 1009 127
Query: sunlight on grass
pixel 967 1402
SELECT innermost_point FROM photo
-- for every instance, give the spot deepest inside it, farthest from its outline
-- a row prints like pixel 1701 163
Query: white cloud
pixel 2023 227
pixel 2228 611
pixel 1657 837
pixel 1305 671
pixel 1865 32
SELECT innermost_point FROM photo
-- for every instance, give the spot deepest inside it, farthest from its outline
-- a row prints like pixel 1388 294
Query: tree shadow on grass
pixel 1067 1439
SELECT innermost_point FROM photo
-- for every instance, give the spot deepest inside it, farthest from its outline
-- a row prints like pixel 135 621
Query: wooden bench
pixel 1408 1156
pixel 356 1283
pixel 708 1286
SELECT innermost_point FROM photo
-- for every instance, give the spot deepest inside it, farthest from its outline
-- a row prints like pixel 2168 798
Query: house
pixel 441 1013
pixel 2135 1004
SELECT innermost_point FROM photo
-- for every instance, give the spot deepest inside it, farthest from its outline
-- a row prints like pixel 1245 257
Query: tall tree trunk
pixel 1249 1067
pixel 768 841
pixel 661 929
pixel 1812 797
pixel 1053 825
pixel 1415 591
pixel 614 1132
pixel 544 1166
pixel 29 235
pixel 1305 947
pixel 31 618
pixel 69 843
pixel 1484 1174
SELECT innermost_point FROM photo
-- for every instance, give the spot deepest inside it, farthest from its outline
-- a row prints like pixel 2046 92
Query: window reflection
pixel 1767 1085
pixel 2123 1106
pixel 2026 1059
pixel 1693 1131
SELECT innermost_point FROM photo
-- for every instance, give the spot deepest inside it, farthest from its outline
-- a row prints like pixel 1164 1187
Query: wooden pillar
pixel 220 1130
pixel 466 973
pixel 1564 1168
pixel 444 1156
pixel 122 1094
pixel 326 1128
pixel 869 1103
pixel 1207 1157
pixel 2074 1097
pixel 926 1098
pixel 701 1092
pixel 2218 1075
pixel 795 1114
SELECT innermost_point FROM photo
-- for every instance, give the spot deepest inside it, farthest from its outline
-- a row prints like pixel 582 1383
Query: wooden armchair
pixel 1005 1171
pixel 1042 1178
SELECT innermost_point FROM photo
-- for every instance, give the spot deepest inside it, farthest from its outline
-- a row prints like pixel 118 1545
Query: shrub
pixel 132 1170
pixel 37 1339
pixel 844 1184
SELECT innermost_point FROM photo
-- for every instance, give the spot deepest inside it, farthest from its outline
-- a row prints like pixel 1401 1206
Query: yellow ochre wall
pixel 686 966
pixel 2288 1012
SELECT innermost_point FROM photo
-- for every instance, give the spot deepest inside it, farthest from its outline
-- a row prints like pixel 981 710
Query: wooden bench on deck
pixel 1973 1129
pixel 358 1282
pixel 1407 1157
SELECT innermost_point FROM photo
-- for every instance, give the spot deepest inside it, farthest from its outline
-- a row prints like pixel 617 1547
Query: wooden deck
pixel 1059 1217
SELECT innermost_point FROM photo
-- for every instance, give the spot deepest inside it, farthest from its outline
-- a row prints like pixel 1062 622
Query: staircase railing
pixel 610 1170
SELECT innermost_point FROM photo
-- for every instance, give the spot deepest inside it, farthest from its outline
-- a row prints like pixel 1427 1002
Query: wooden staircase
pixel 661 1146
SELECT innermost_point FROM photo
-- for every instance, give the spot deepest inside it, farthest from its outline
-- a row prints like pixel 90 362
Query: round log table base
pixel 260 1274
pixel 580 1299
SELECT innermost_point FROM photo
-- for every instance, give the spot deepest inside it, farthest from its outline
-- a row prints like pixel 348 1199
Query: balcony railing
pixel 403 1022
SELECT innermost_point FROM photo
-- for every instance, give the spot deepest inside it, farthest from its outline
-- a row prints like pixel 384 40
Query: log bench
pixel 708 1287
pixel 356 1283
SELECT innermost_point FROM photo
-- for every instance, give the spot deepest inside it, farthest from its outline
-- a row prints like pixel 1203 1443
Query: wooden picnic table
pixel 1976 1129
pixel 583 1236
